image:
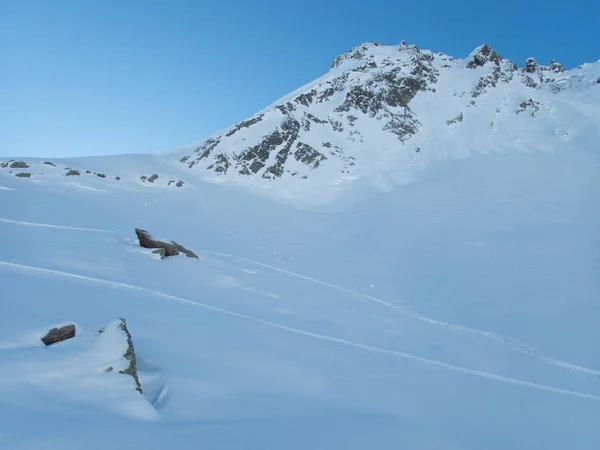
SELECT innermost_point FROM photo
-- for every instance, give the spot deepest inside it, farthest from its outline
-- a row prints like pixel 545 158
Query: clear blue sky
pixel 82 77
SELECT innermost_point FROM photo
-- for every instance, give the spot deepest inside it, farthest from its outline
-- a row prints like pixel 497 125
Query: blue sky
pixel 91 77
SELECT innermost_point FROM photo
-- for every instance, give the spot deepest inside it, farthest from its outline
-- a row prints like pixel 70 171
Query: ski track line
pixel 498 338
pixel 60 227
pixel 323 337
pixel 205 209
pixel 237 234
pixel 164 197
pixel 495 337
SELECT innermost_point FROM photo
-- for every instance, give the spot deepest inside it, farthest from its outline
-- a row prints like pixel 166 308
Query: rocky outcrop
pixel 59 334
pixel 23 175
pixel 162 248
pixel 19 165
pixel 72 173
pixel 130 356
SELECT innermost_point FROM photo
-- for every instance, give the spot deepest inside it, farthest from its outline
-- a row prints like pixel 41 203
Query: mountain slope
pixel 458 311
pixel 389 108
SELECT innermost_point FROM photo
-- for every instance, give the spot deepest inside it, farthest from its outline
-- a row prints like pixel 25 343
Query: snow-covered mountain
pixel 427 278
pixel 385 108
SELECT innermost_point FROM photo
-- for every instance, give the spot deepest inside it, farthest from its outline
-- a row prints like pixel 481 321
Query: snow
pixel 446 299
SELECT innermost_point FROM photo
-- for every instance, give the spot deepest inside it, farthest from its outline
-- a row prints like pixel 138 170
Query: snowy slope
pixel 381 113
pixel 445 299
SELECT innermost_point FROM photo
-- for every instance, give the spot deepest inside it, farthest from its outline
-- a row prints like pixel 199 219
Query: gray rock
pixel 59 334
pixel 50 163
pixel 72 173
pixel 530 65
pixel 162 248
pixel 19 165
pixel 23 174
pixel 153 178
pixel 130 356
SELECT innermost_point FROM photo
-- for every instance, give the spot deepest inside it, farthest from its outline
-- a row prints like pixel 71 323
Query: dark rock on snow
pixel 59 334
pixel 19 165
pixel 164 249
pixel 23 174
pixel 130 356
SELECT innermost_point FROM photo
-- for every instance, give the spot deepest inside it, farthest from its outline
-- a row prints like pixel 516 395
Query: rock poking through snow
pixel 59 334
pixel 163 248
pixel 130 356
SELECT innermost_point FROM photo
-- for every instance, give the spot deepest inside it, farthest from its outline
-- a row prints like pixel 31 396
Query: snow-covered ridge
pixel 396 108
pixel 376 118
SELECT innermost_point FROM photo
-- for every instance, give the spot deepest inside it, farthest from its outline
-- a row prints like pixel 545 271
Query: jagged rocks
pixel 556 67
pixel 457 119
pixel 130 356
pixel 482 55
pixel 530 65
pixel 59 334
pixel 530 105
pixel 244 124
pixel 162 248
pixel 72 173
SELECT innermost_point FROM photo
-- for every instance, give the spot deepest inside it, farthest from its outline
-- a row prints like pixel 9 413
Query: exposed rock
pixel 72 173
pixel 101 175
pixel 457 119
pixel 530 105
pixel 88 171
pixel 556 67
pixel 130 356
pixel 19 165
pixel 50 163
pixel 59 334
pixel 153 178
pixel 23 175
pixel 164 249
pixel 482 55
pixel 530 65
pixel 118 178
pixel 244 124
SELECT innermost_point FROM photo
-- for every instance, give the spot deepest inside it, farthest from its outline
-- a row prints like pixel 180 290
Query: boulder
pixel 59 334
pixel 19 165
pixel 163 248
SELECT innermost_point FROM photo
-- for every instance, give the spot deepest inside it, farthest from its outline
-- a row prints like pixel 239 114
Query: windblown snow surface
pixel 459 310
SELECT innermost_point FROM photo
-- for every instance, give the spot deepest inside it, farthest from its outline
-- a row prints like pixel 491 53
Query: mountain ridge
pixel 324 122
pixel 380 114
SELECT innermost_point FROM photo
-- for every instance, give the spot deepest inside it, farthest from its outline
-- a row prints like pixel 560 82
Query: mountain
pixel 388 107
pixel 445 298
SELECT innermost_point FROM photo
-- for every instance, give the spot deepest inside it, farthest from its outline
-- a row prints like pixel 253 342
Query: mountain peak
pixel 391 108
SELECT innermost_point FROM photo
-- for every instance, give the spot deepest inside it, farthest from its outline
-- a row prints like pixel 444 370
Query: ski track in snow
pixel 520 347
pixel 323 337
pixel 501 339
pixel 60 227
pixel 523 348
pixel 212 216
